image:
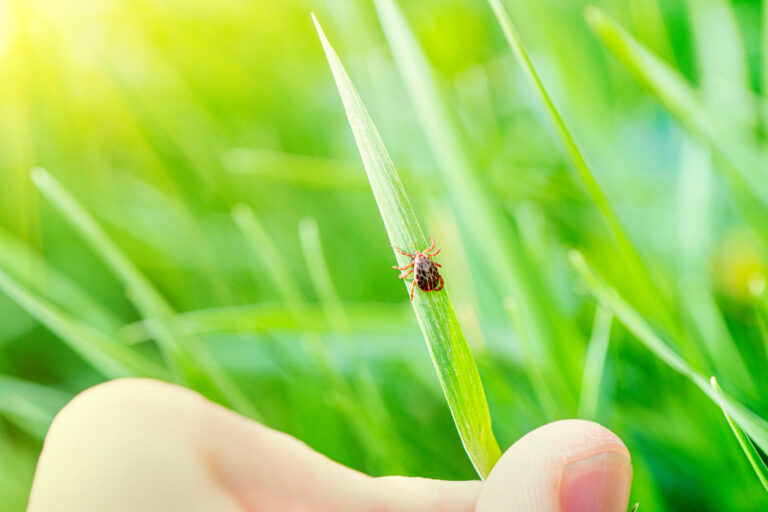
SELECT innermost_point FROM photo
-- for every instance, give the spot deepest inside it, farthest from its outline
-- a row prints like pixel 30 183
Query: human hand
pixel 142 445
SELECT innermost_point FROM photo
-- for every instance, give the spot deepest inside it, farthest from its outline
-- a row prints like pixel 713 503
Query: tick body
pixel 424 270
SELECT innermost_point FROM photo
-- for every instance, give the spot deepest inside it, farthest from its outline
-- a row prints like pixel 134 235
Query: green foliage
pixel 206 221
pixel 445 339
pixel 755 460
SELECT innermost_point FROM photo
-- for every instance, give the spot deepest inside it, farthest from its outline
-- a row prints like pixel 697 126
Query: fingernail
pixel 599 483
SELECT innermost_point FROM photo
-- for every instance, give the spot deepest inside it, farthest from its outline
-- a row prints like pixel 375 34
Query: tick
pixel 424 270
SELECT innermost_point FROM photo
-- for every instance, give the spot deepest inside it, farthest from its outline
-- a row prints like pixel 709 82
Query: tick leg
pixel 404 267
pixel 402 252
pixel 404 275
pixel 431 246
pixel 442 285
pixel 437 264
pixel 435 253
pixel 413 284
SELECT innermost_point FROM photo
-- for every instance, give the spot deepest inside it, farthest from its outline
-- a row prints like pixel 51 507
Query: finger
pixel 566 466
pixel 137 444
pixel 269 470
pixel 128 445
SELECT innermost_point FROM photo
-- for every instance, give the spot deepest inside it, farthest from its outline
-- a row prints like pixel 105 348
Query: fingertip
pixel 565 466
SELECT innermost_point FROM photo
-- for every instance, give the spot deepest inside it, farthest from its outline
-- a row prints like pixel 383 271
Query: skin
pixel 143 445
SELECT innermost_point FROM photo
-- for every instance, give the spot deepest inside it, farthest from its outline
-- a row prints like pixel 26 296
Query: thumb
pixel 565 466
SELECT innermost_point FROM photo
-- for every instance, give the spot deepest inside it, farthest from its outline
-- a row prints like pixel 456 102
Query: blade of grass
pixel 762 327
pixel 483 226
pixel 754 458
pixel 764 60
pixel 188 359
pixel 29 405
pixel 757 287
pixel 109 357
pixel 531 362
pixel 29 268
pixel 345 396
pixel 741 166
pixel 379 318
pixel 754 425
pixel 263 245
pixel 664 81
pixel 375 421
pixel 594 364
pixel 320 275
pixel 722 63
pixel 645 284
pixel 300 170
pixel 16 472
pixel 448 348
pixel 704 317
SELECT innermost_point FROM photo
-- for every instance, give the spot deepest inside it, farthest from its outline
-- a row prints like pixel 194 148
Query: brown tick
pixel 424 270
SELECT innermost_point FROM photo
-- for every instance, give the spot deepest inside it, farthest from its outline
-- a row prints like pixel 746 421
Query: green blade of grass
pixel 448 348
pixel 481 223
pixel 764 59
pixel 762 328
pixel 379 318
pixel 754 425
pixel 374 419
pixel 754 458
pixel 16 472
pixel 302 170
pixel 594 363
pixel 273 264
pixel 703 318
pixel 29 405
pixel 741 164
pixel 109 357
pixel 721 54
pixel 31 270
pixel 189 361
pixel 664 81
pixel 642 277
pixel 531 363
pixel 320 275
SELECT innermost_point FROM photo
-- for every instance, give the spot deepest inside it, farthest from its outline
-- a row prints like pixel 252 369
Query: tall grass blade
pixel 374 419
pixel 301 170
pixel 111 358
pixel 481 223
pixel 764 60
pixel 722 63
pixel 531 363
pixel 31 270
pixel 755 426
pixel 741 164
pixel 274 265
pixel 448 348
pixel 189 361
pixel 642 276
pixel 594 364
pixel 320 274
pixel 754 458
pixel 374 317
pixel 702 313
pixel 29 405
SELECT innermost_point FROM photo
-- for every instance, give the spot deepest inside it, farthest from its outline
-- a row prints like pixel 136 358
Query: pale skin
pixel 143 445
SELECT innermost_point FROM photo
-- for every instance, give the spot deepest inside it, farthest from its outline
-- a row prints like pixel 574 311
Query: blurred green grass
pixel 161 117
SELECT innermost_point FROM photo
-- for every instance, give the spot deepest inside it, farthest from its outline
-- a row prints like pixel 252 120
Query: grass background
pixel 209 143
